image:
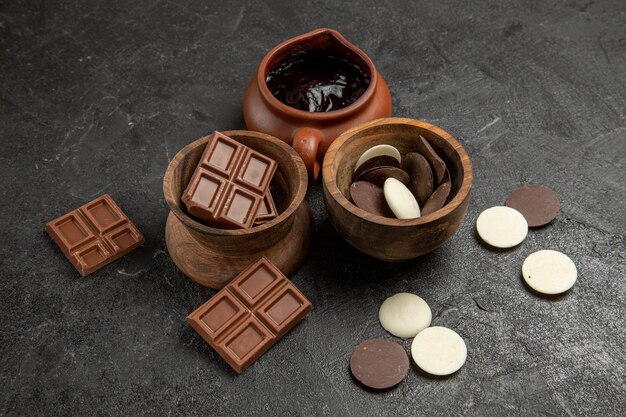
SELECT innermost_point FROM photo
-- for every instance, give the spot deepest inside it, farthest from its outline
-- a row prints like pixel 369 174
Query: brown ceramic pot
pixel 311 133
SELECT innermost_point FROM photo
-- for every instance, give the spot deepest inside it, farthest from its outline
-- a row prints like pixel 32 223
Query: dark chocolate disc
pixel 375 162
pixel 436 163
pixel 370 198
pixel 438 198
pixel 378 176
pixel 379 363
pixel 538 204
pixel 421 176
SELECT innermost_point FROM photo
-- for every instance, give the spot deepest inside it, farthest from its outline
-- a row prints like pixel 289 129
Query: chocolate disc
pixel 379 363
pixel 538 204
pixel 439 351
pixel 370 198
pixel 379 175
pixel 421 176
pixel 436 163
pixel 375 162
pixel 549 272
pixel 378 150
pixel 404 315
pixel 400 200
pixel 438 198
pixel 502 227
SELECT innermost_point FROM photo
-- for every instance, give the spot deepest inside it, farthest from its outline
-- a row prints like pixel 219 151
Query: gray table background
pixel 96 97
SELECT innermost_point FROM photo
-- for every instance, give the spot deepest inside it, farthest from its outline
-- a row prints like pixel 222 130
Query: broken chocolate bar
pixel 267 210
pixel 228 184
pixel 250 314
pixel 95 234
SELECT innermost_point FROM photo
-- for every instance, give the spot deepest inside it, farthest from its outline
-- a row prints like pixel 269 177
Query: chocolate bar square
pixel 229 184
pixel 267 210
pixel 250 314
pixel 95 234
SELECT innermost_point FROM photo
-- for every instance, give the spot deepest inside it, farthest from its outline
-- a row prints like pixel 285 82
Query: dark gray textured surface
pixel 97 97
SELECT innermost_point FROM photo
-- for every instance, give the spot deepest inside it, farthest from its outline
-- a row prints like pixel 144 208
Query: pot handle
pixel 306 142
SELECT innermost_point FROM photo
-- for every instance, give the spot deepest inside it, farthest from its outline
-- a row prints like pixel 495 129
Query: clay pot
pixel 311 133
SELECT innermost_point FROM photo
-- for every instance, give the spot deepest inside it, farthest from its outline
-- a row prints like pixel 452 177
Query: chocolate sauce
pixel 317 82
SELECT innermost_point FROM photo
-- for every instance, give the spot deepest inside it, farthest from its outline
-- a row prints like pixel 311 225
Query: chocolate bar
pixel 228 184
pixel 267 210
pixel 250 314
pixel 95 234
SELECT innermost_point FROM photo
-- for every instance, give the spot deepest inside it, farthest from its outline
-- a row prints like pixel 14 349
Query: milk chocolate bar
pixel 95 234
pixel 267 210
pixel 228 184
pixel 250 314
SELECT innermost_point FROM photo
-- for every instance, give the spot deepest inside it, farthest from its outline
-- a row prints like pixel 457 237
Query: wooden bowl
pixel 380 237
pixel 213 256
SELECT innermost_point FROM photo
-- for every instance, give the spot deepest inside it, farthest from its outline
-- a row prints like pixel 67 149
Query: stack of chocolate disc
pixel 407 186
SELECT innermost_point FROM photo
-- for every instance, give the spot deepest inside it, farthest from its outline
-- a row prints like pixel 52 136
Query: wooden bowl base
pixel 212 269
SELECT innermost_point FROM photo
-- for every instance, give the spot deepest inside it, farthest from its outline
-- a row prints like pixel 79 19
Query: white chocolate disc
pixel 549 272
pixel 502 227
pixel 404 315
pixel 439 350
pixel 400 199
pixel 377 150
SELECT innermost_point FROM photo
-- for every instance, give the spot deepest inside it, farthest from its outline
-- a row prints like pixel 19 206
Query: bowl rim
pixel 267 95
pixel 330 183
pixel 194 224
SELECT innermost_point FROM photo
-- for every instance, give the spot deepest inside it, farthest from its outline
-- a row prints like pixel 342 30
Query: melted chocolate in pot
pixel 316 82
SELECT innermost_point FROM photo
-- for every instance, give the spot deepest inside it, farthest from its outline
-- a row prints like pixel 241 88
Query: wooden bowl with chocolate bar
pixel 215 189
pixel 396 188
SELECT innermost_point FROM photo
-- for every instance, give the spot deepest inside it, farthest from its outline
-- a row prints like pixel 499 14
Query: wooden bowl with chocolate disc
pixel 212 256
pixel 384 238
